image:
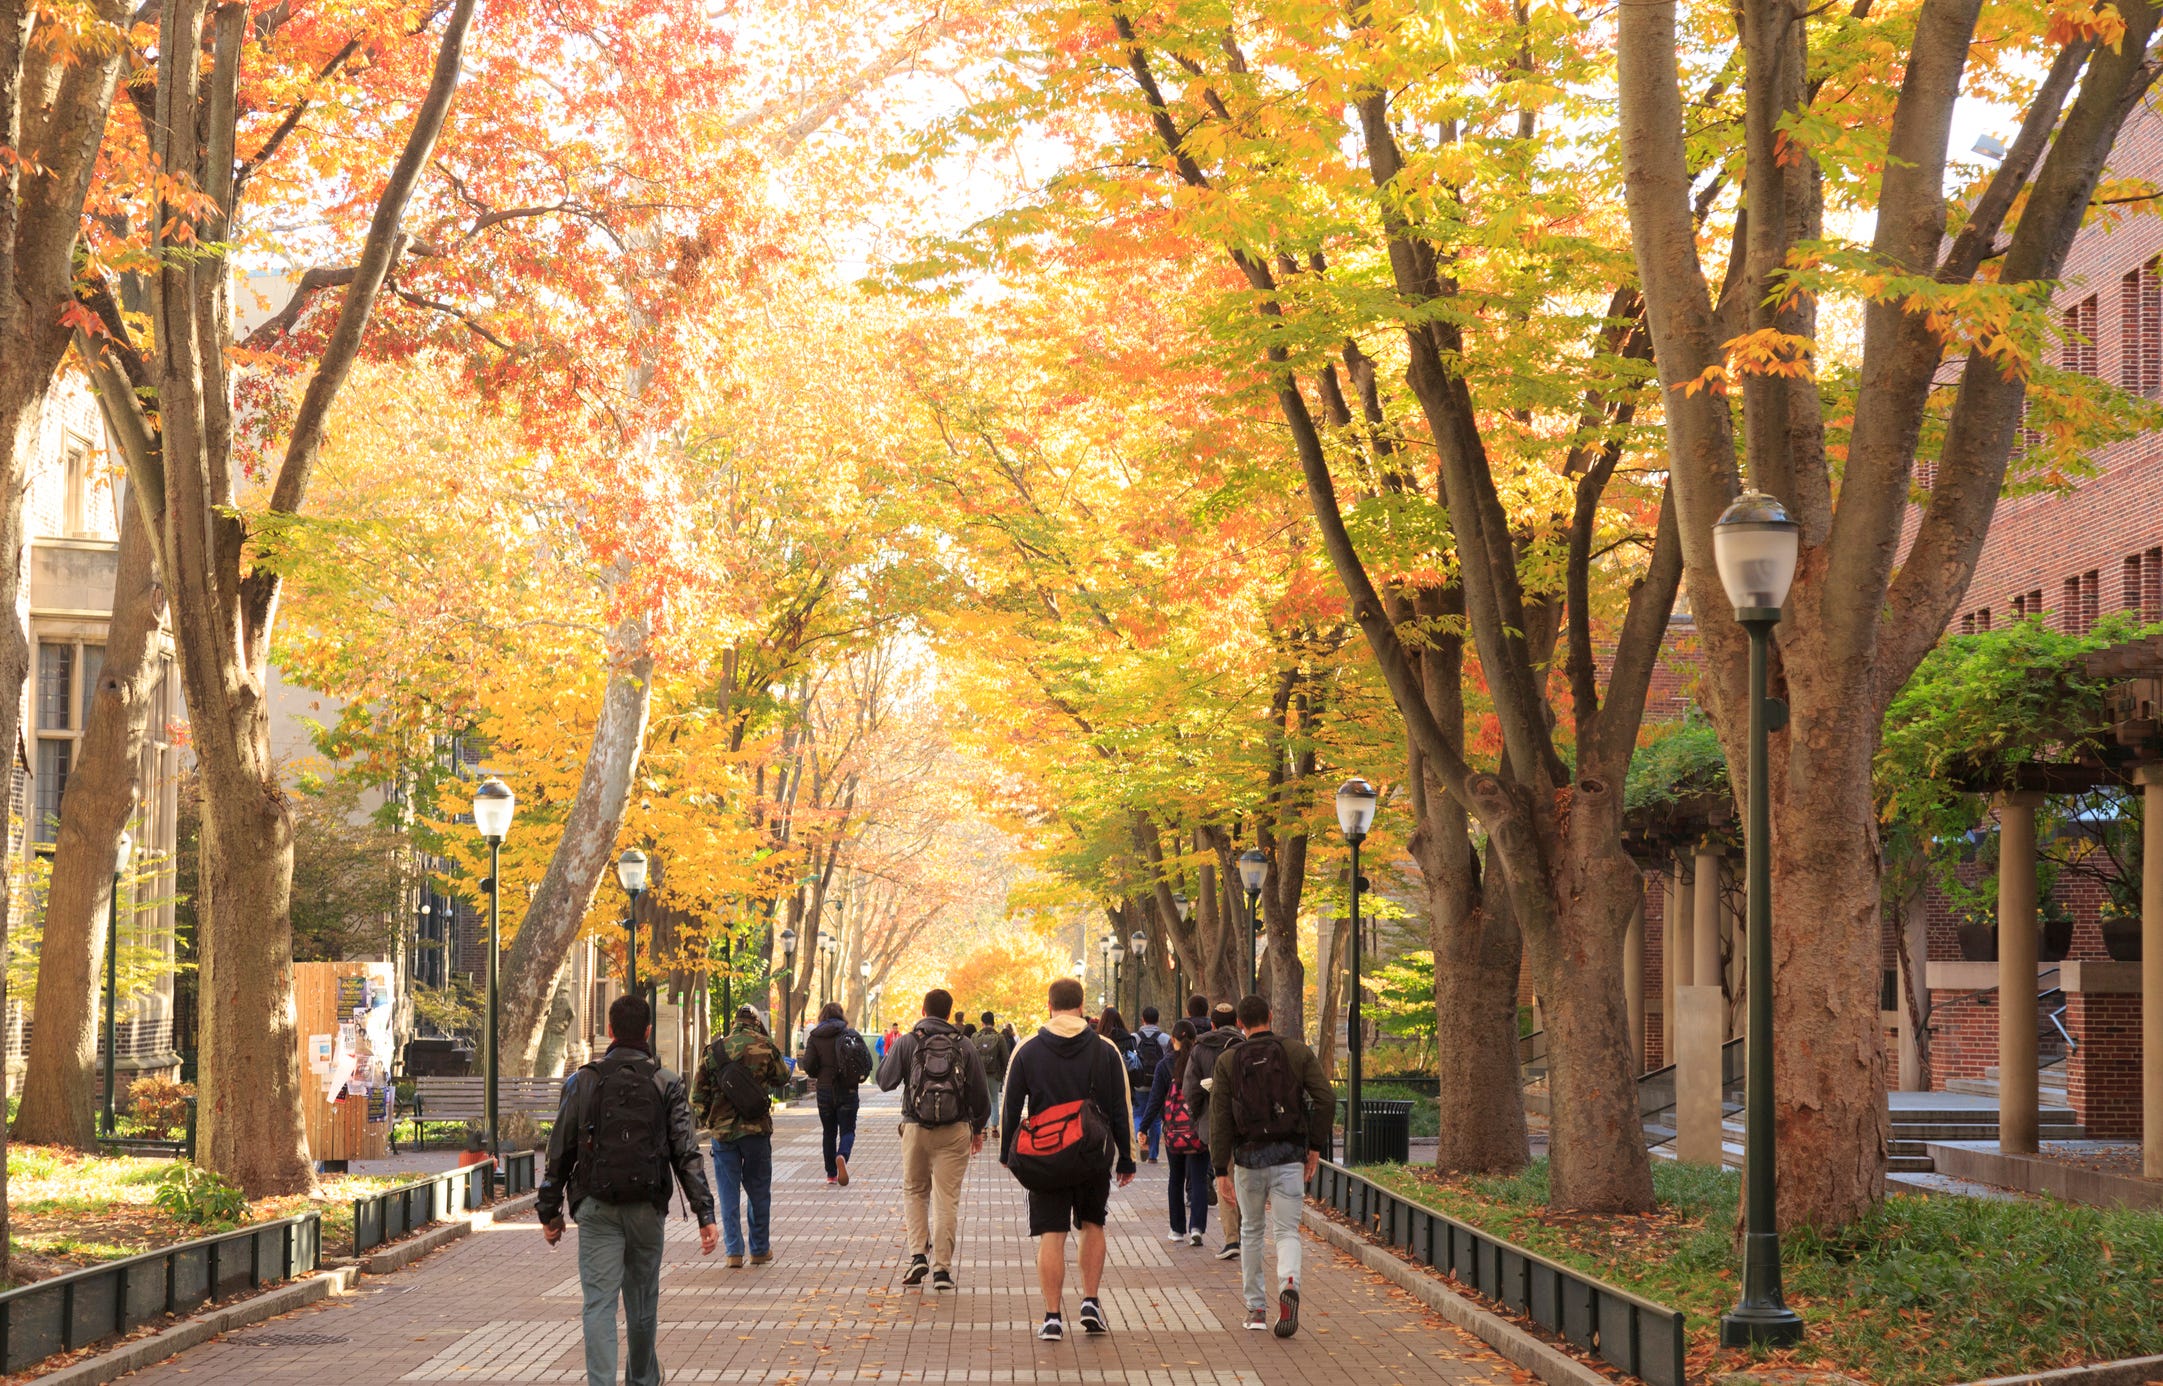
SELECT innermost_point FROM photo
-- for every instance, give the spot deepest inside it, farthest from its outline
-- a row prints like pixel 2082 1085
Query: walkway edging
pixel 1521 1347
pixel 128 1357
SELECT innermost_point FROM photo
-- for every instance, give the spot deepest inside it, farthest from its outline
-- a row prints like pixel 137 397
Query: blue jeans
pixel 1187 1191
pixel 837 1123
pixel 1283 1188
pixel 619 1253
pixel 744 1167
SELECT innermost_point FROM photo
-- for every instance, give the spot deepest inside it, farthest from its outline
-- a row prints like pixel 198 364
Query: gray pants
pixel 1284 1189
pixel 619 1252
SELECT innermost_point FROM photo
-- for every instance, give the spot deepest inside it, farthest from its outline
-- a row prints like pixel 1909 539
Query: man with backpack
pixel 736 1081
pixel 993 1048
pixel 1270 1111
pixel 1078 1135
pixel 944 1108
pixel 1150 1046
pixel 837 1060
pixel 1220 1031
pixel 622 1133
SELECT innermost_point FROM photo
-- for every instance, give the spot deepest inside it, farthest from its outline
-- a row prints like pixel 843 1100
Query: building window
pixel 2141 332
pixel 2079 346
pixel 2027 604
pixel 67 682
pixel 1982 619
pixel 75 497
pixel 2081 607
pixel 1967 624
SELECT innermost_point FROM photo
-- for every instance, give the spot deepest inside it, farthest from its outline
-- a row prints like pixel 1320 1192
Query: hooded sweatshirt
pixel 1063 1062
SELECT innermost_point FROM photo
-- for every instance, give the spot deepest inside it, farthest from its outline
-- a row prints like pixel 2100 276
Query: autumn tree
pixel 1820 119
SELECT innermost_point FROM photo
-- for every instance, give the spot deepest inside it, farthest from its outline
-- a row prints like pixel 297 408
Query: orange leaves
pixel 1766 351
pixel 2072 21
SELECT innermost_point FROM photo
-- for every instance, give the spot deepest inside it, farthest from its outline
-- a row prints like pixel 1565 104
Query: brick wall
pixel 1964 1036
pixel 2102 1082
pixel 1653 883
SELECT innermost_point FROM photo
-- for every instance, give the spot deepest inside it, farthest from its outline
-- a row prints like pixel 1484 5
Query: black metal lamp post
pixel 1755 545
pixel 1355 815
pixel 1138 945
pixel 493 807
pixel 788 986
pixel 1253 870
pixel 1184 908
pixel 1108 985
pixel 631 874
pixel 828 948
pixel 123 854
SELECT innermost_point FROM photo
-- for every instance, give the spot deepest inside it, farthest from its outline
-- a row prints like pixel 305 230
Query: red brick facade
pixel 2102 1079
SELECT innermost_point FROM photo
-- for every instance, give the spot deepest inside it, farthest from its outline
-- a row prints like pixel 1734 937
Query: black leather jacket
pixel 559 1180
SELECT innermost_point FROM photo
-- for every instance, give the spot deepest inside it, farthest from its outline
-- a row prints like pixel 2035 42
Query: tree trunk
pixel 552 920
pixel 556 1033
pixel 18 432
pixel 59 1100
pixel 1285 977
pixel 1596 1146
pixel 1332 938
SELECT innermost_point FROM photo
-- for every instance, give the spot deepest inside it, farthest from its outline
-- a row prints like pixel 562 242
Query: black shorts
pixel 1060 1210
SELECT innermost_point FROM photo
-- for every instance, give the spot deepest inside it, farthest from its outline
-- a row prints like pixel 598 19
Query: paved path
pixel 500 1307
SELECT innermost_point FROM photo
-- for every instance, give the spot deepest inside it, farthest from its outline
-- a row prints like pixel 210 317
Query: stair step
pixel 1911 1164
pixel 1898 1147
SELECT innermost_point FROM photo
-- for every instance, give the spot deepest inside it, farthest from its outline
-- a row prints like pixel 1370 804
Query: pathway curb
pixel 1536 1355
pixel 2131 1371
pixel 128 1357
pixel 399 1255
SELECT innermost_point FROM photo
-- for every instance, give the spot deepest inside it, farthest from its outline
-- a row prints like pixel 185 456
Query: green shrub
pixel 195 1195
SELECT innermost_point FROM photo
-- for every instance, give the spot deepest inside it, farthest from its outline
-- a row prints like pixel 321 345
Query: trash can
pixel 1385 1132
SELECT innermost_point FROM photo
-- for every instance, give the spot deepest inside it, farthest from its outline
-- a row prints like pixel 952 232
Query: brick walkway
pixel 500 1307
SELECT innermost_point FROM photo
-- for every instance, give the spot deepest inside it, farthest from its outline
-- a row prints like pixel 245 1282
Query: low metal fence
pixel 391 1214
pixel 517 1173
pixel 1633 1334
pixel 88 1306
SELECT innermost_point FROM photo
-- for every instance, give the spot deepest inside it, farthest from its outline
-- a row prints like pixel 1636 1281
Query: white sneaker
pixel 1194 1239
pixel 1175 1236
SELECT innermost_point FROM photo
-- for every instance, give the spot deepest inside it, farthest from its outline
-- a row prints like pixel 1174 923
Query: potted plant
pixel 1978 938
pixel 2057 939
pixel 2121 933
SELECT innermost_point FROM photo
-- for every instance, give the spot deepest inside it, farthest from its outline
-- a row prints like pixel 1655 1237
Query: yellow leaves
pixel 2073 20
pixel 1766 351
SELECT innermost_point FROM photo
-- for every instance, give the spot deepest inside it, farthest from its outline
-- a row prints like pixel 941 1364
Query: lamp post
pixel 123 854
pixel 1253 870
pixel 1355 814
pixel 863 973
pixel 1138 945
pixel 1755 545
pixel 828 947
pixel 1105 973
pixel 788 984
pixel 1184 908
pixel 631 873
pixel 493 806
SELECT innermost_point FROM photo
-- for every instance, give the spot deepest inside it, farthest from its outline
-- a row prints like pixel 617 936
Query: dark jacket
pixel 1160 1087
pixel 1212 1044
pixel 559 1180
pixel 1225 1148
pixel 1146 1074
pixel 975 1092
pixel 1067 1062
pixel 822 1056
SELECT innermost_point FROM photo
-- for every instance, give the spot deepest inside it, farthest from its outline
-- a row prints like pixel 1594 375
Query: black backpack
pixel 1201 1068
pixel 740 1087
pixel 991 1048
pixel 938 1075
pixel 623 1150
pixel 1257 1079
pixel 852 1058
pixel 1148 1053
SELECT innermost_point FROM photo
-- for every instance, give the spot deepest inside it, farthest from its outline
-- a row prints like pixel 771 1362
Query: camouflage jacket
pixel 762 1057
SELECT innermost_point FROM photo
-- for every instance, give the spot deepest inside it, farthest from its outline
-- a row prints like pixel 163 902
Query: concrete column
pixel 1700 1023
pixel 1633 980
pixel 2018 946
pixel 1911 1056
pixel 1681 947
pixel 1705 929
pixel 1671 897
pixel 2151 970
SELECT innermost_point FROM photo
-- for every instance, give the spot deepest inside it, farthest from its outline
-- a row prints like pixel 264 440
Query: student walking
pixel 1150 1046
pixel 994 1047
pixel 1077 1137
pixel 837 1060
pixel 944 1109
pixel 1186 1148
pixel 1270 1112
pixel 736 1080
pixel 1222 1033
pixel 622 1131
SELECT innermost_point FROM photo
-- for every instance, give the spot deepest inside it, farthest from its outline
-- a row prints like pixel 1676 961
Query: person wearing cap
pixel 743 1142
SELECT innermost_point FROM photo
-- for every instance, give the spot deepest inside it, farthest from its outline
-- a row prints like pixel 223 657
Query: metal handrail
pixel 1632 1333
pixel 104 1301
pixel 1975 997
pixel 395 1212
pixel 1531 1056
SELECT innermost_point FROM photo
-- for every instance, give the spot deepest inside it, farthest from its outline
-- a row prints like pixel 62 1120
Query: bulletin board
pixel 344 1010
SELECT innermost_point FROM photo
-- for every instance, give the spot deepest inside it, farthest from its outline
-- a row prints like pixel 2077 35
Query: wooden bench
pixel 439 1101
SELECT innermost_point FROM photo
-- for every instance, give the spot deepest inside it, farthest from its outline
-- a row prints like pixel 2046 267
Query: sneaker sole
pixel 1287 1314
pixel 841 1172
